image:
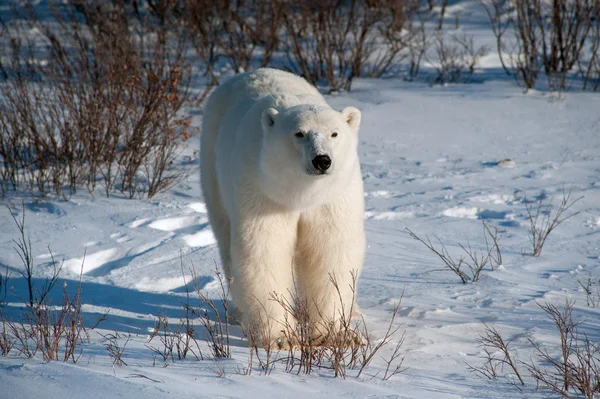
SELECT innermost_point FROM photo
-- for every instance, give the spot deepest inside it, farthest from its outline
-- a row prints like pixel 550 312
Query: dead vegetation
pixel 469 266
pixel 559 38
pixel 542 220
pixel 456 59
pixel 93 97
pixel 571 370
pixel 56 331
pixel 343 346
pixel 334 41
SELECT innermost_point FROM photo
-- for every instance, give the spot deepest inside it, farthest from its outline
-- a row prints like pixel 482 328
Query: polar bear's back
pixel 245 90
pixel 267 81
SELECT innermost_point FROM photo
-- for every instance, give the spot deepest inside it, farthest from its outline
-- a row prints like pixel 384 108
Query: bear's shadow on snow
pixel 130 311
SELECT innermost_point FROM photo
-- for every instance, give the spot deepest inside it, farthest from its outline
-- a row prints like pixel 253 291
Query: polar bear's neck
pixel 304 191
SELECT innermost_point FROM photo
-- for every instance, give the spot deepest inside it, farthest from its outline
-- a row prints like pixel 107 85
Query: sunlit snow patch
pixel 378 194
pixel 198 207
pixel 162 284
pixel 170 224
pixel 202 238
pixel 91 261
pixel 493 199
pixel 391 215
pixel 137 223
pixel 461 212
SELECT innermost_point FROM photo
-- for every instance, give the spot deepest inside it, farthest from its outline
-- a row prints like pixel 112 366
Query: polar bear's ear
pixel 268 118
pixel 352 117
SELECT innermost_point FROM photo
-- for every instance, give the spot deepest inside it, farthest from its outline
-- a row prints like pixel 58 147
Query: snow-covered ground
pixel 430 163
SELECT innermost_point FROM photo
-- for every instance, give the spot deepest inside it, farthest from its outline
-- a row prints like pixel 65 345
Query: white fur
pixel 274 215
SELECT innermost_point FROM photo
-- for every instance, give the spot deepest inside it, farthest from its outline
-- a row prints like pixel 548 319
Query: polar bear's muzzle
pixel 317 150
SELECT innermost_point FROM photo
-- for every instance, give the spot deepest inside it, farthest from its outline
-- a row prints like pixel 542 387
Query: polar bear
pixel 281 178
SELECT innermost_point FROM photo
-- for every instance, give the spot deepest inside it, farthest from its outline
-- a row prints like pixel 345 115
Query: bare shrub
pixel 177 341
pixel 498 356
pixel 589 63
pixel 471 54
pixel 165 337
pixel 219 369
pixel 545 35
pixel 23 249
pixel 456 60
pixel 116 349
pixel 342 345
pixel 418 44
pixel 334 41
pixel 7 340
pixel 217 326
pixel 56 331
pixel 541 220
pixel 4 286
pixel 100 104
pixel 573 372
pixel 577 368
pixel 238 32
pixel 468 268
pixel 591 286
pixel 493 249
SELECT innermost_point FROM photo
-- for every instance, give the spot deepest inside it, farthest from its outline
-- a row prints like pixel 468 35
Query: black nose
pixel 322 162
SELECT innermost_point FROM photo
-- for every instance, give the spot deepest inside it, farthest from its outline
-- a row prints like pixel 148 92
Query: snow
pixel 435 159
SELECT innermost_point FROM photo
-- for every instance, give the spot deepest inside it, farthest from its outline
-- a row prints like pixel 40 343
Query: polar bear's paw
pixel 283 342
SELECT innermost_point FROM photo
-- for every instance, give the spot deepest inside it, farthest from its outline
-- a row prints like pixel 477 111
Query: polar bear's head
pixel 307 148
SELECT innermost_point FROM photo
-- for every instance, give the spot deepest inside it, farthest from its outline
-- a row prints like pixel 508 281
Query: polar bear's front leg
pixel 331 246
pixel 262 251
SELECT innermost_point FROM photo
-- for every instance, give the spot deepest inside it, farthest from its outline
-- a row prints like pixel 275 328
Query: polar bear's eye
pixel 334 135
pixel 299 134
